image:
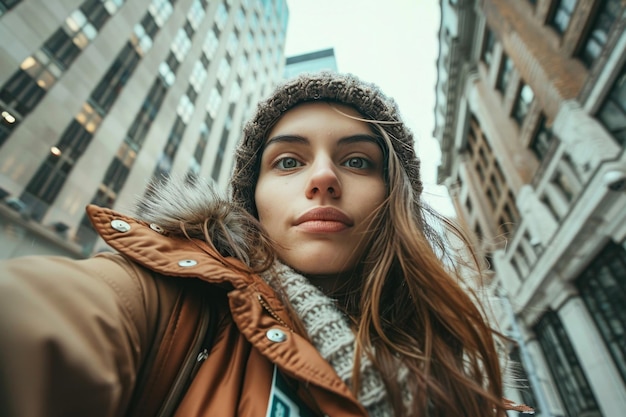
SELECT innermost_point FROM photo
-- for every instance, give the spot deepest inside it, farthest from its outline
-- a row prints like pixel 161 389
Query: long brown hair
pixel 412 306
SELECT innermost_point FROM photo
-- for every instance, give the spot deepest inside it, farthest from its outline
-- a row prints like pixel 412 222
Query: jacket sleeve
pixel 73 334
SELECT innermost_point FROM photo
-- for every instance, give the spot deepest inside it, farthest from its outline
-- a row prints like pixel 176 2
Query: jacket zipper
pixel 272 313
pixel 312 403
pixel 190 366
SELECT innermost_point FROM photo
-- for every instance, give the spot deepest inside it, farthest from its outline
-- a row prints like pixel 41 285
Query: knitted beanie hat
pixel 345 89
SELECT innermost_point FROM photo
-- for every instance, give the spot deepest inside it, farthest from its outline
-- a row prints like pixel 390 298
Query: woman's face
pixel 321 177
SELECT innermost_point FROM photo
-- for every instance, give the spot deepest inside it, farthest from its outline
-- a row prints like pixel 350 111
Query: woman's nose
pixel 323 180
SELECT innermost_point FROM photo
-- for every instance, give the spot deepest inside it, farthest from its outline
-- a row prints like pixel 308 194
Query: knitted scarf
pixel 330 332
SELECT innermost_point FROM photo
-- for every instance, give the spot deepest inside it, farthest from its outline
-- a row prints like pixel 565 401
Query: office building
pixel 323 60
pixel 100 97
pixel 531 118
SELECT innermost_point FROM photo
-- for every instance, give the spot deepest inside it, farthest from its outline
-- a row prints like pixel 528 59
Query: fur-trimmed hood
pixel 193 208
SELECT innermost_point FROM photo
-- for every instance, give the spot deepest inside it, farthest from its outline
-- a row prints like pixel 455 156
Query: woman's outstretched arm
pixel 73 335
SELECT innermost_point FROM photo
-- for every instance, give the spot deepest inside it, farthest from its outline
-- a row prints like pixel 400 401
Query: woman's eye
pixel 287 163
pixel 359 163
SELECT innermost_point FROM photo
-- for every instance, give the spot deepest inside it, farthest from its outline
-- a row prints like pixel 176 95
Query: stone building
pixel 531 118
pixel 100 97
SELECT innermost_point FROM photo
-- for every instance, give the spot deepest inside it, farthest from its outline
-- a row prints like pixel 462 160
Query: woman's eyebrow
pixel 361 137
pixel 287 139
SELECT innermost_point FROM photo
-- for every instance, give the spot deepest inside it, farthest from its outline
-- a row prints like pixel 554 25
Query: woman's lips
pixel 324 220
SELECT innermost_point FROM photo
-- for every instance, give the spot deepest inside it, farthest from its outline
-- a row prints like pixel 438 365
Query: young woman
pixel 319 288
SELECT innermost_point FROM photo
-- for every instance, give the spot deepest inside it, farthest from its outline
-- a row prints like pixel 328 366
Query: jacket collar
pixel 250 297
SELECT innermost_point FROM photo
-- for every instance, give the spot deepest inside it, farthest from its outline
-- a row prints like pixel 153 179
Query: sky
pixel 392 43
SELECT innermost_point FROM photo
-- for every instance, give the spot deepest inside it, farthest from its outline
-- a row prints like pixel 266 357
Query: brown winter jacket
pixel 79 338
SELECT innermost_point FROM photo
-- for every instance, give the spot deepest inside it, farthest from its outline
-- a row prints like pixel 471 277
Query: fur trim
pixel 193 208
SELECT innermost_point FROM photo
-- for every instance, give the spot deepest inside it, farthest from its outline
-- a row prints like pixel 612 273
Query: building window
pixel 56 55
pixel 612 114
pixel 468 205
pixel 144 33
pixel 510 210
pixel 149 25
pixel 151 105
pixel 481 172
pixel 509 218
pixel 483 156
pixel 47 182
pixel 605 16
pixel 542 139
pixel 504 73
pixel 107 91
pixel 221 16
pixel 233 44
pixel 181 45
pixel 96 12
pixel 166 160
pixel 161 10
pixel 567 374
pixel 492 198
pixel 196 14
pixel 488 46
pixel 167 70
pixel 63 47
pixel 214 102
pixel 561 14
pixel 118 171
pixel 6 5
pixel 184 110
pixel 523 100
pixel 564 184
pixel 203 140
pixel 240 20
pixel 242 67
pixel 191 93
pixel 223 72
pixel 8 122
pixel 89 118
pixel 219 158
pixel 505 228
pixel 567 180
pixel 249 45
pixel 526 391
pixel 79 29
pixel 198 75
pixel 603 288
pixel 29 84
pixel 211 44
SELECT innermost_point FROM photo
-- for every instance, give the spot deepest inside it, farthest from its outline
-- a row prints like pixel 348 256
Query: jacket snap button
pixel 120 226
pixel 156 228
pixel 276 335
pixel 187 263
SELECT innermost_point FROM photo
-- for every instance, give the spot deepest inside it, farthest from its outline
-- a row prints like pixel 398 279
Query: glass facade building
pixel 98 98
